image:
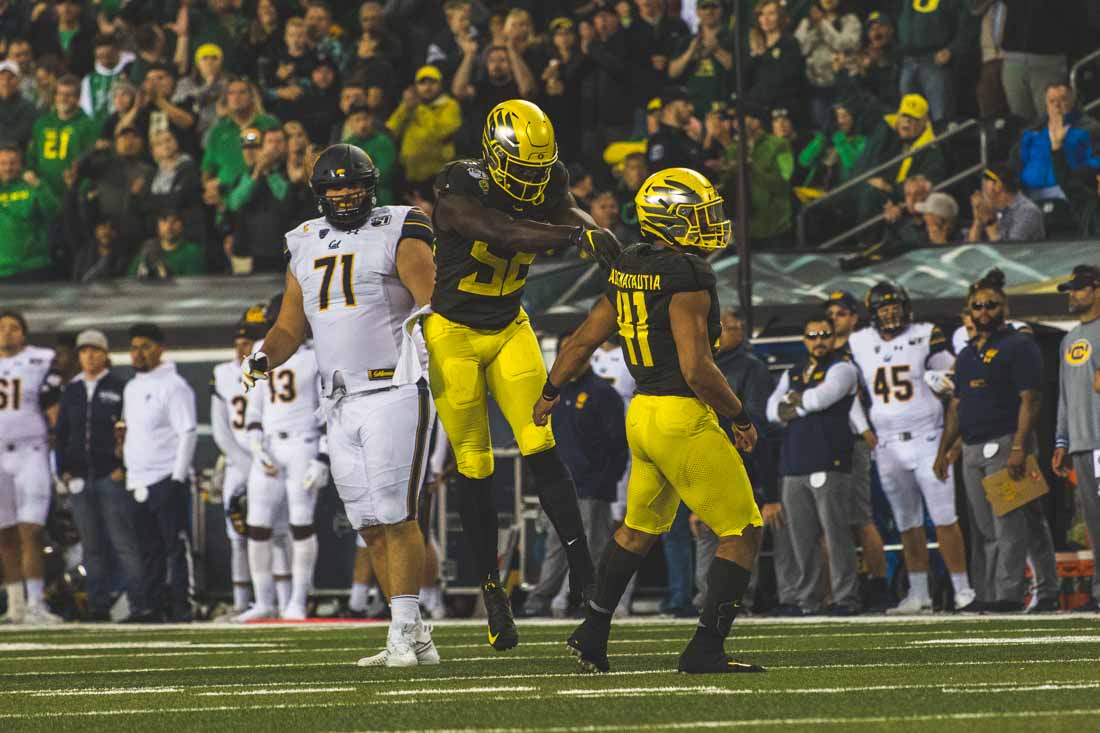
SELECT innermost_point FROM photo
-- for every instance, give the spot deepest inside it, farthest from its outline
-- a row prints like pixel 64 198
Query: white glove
pixel 260 454
pixel 253 368
pixel 217 479
pixel 316 475
pixel 941 382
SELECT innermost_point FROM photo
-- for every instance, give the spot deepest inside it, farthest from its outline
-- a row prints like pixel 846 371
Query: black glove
pixel 601 245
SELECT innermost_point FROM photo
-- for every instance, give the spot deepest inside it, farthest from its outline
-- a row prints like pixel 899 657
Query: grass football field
pixel 916 674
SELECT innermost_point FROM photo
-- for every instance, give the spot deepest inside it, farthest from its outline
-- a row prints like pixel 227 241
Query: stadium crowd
pixel 149 139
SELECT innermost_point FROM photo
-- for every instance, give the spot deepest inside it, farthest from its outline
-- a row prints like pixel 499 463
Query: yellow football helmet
pixel 520 150
pixel 680 206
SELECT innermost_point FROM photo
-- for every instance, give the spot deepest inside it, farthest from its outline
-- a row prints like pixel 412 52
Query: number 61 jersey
pixel 352 296
pixel 641 285
pixel 893 372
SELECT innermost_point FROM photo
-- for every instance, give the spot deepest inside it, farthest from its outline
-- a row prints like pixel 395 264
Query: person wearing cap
pixel 941 218
pixel 704 62
pixel 561 83
pixel 66 123
pixel 200 90
pixel 27 207
pixel 90 468
pixel 671 146
pixel 17 115
pixel 320 105
pixel 1001 212
pixel 875 69
pixel 222 157
pixel 364 131
pixel 934 39
pixel 1077 431
pixel 158 412
pixel 424 124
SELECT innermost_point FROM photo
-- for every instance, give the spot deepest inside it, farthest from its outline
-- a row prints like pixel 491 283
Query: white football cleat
pixel 12 617
pixel 964 598
pixel 411 647
pixel 423 646
pixel 41 616
pixel 911 605
pixel 256 613
pixel 295 612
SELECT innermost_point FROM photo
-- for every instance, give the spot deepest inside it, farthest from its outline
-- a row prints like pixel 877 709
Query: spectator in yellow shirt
pixel 424 124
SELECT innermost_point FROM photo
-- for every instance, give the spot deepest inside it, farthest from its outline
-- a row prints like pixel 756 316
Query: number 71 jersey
pixel 351 293
pixel 893 372
pixel 641 285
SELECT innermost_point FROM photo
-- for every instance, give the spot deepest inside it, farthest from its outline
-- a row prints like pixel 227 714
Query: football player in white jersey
pixel 354 275
pixel 893 357
pixel 29 391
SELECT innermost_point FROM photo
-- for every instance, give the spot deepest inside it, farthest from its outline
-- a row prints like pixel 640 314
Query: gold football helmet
pixel 680 206
pixel 520 150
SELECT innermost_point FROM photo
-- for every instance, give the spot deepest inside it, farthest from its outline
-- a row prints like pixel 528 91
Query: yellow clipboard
pixel 1004 494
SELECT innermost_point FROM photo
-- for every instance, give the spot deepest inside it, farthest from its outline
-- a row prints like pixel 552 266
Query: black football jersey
pixel 641 286
pixel 477 284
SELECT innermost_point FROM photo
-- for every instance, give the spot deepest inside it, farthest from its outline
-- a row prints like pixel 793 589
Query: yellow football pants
pixel 462 362
pixel 679 451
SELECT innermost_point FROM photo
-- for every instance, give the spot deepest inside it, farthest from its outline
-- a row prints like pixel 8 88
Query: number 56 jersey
pixel 893 371
pixel 351 293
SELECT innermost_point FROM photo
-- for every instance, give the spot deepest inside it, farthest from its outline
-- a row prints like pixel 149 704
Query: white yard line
pixel 101 691
pixel 456 691
pixel 281 691
pixel 999 641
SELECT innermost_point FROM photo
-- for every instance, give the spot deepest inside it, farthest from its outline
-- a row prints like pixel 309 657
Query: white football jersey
pixel 611 366
pixel 353 298
pixel 228 387
pixel 22 379
pixel 893 372
pixel 286 401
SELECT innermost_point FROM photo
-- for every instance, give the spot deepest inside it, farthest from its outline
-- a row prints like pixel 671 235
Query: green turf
pixel 973 674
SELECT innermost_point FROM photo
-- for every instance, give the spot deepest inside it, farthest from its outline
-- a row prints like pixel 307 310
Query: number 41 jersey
pixel 641 285
pixel 893 372
pixel 353 298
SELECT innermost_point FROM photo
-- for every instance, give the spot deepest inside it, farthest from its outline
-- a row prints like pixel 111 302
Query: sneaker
pixel 295 612
pixel 911 605
pixel 1045 605
pixel 700 658
pixel 588 642
pixel 1090 606
pixel 423 646
pixel 256 613
pixel 502 627
pixel 41 616
pixel 399 652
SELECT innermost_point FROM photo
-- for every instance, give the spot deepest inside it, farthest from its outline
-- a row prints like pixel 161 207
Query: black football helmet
pixel 341 166
pixel 886 293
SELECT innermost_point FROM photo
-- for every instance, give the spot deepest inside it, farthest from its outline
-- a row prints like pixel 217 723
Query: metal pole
pixel 741 222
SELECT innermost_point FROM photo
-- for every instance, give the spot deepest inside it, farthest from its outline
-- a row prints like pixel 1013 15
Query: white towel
pixel 410 365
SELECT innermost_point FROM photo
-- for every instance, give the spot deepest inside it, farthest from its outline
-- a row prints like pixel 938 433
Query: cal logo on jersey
pixel 1078 352
pixel 989 355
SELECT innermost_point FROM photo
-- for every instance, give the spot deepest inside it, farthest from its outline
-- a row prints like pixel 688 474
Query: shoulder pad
pixel 417 225
pixel 464 178
pixel 701 271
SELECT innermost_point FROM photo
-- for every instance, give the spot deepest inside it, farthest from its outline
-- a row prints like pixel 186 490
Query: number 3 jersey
pixel 893 373
pixel 641 285
pixel 226 385
pixel 477 284
pixel 351 293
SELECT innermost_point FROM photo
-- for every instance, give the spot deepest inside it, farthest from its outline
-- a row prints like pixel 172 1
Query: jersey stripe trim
pixel 422 426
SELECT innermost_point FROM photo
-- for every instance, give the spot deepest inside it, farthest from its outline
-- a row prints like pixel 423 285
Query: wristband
pixel 549 391
pixel 1017 449
pixel 741 421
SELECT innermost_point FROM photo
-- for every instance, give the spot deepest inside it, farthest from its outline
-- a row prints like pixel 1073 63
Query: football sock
pixel 726 585
pixel 405 611
pixel 960 582
pixel 558 497
pixel 302 561
pixel 617 567
pixel 17 598
pixel 283 588
pixel 431 597
pixel 479 523
pixel 242 596
pixel 918 585
pixel 357 599
pixel 238 563
pixel 259 563
pixel 36 595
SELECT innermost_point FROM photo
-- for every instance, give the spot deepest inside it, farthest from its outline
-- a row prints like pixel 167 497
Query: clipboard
pixel 1005 495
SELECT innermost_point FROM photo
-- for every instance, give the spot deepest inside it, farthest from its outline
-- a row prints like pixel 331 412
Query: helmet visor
pixel 708 223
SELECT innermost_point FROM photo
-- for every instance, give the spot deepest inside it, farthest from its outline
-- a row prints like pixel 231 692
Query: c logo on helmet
pixel 1078 352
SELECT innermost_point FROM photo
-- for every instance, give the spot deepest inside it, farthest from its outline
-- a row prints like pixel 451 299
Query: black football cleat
pixel 502 627
pixel 704 659
pixel 588 643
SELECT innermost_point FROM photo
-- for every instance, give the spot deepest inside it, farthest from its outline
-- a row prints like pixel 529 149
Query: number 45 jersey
pixel 641 285
pixel 351 293
pixel 893 372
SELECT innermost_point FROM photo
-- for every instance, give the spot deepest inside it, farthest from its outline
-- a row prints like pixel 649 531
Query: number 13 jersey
pixel 351 293
pixel 893 372
pixel 641 285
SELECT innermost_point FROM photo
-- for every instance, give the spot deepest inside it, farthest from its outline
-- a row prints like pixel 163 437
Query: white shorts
pixel 378 448
pixel 235 483
pixel 905 470
pixel 267 495
pixel 25 483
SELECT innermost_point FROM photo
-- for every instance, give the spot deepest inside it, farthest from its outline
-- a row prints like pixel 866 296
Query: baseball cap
pixel 844 298
pixel 561 24
pixel 653 105
pixel 940 204
pixel 251 137
pixel 429 72
pixel 913 105
pixel 91 337
pixel 208 49
pixel 1084 276
pixel 674 94
pixel 10 66
pixel 877 17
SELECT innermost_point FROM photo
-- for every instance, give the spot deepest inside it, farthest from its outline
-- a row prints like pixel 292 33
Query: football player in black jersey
pixel 491 217
pixel 661 299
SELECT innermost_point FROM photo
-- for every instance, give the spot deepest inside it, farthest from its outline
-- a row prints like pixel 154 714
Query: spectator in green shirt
pixel 60 137
pixel 222 157
pixel 169 255
pixel 828 159
pixel 26 209
pixel 363 132
pixel 110 64
pixel 704 63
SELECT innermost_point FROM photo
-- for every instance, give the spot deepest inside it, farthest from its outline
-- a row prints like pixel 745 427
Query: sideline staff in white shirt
pixel 159 413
